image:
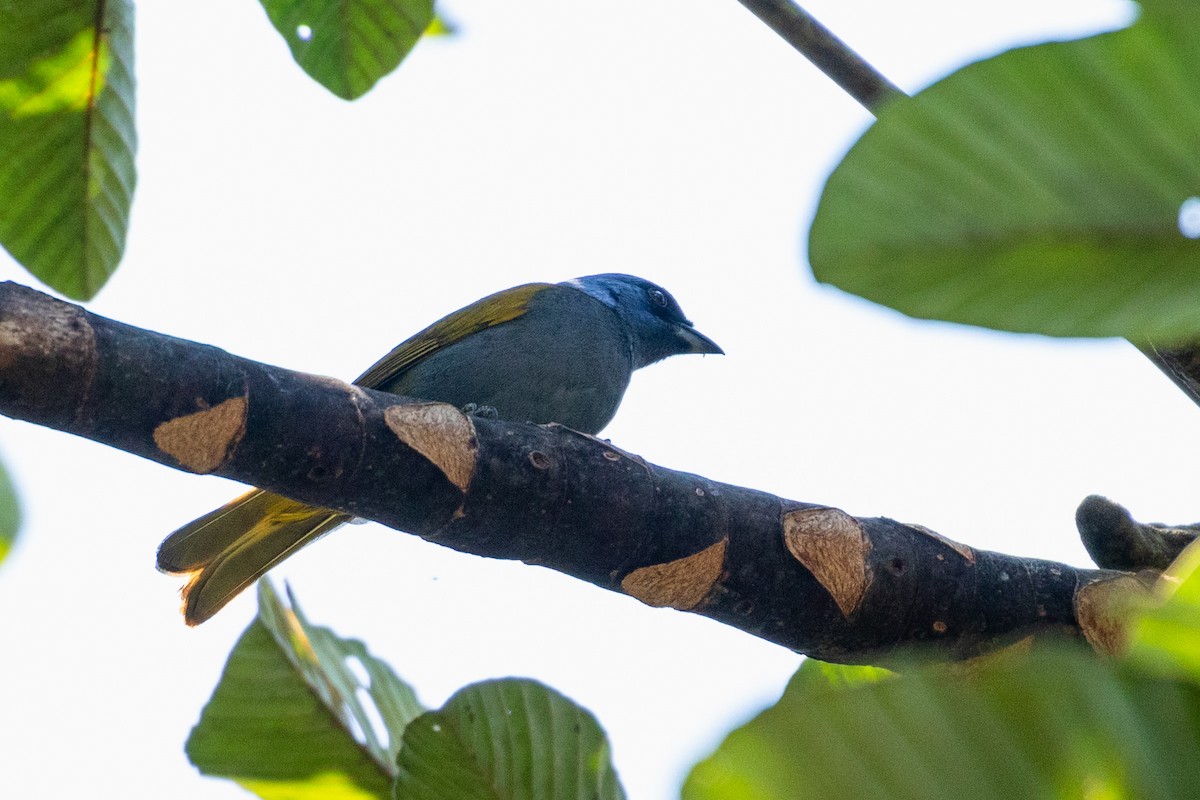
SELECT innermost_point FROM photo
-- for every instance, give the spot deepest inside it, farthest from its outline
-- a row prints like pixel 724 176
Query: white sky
pixel 677 139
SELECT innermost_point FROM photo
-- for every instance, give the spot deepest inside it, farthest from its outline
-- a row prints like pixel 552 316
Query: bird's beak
pixel 697 342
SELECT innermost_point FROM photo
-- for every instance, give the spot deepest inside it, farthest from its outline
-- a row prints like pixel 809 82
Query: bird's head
pixel 657 325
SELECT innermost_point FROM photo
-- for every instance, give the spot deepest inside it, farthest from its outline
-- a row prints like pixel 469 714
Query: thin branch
pixel 870 88
pixel 809 577
pixel 826 51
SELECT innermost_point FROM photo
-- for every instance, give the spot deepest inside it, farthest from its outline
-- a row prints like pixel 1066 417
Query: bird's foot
pixel 484 412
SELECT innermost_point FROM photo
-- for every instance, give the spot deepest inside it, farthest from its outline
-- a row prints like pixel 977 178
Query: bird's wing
pixel 492 310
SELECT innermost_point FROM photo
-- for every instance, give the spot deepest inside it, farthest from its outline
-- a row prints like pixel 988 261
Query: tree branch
pixel 826 51
pixel 1180 363
pixel 803 575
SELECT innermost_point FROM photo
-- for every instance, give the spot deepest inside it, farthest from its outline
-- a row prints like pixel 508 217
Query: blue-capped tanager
pixel 542 352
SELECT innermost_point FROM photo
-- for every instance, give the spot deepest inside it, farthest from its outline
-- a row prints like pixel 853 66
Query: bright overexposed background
pixel 679 140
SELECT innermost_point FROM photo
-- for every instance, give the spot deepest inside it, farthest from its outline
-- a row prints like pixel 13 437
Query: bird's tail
pixel 228 549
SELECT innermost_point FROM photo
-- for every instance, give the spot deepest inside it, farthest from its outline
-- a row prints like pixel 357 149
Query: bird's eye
pixel 658 297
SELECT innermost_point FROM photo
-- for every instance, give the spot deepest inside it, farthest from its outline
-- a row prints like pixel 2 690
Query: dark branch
pixel 826 51
pixel 1180 363
pixel 1115 540
pixel 808 577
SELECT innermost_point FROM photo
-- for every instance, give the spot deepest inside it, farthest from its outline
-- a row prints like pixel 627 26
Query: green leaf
pixel 67 138
pixel 1167 639
pixel 1056 724
pixel 348 45
pixel 814 675
pixel 1042 190
pixel 440 26
pixel 290 718
pixel 10 513
pixel 506 739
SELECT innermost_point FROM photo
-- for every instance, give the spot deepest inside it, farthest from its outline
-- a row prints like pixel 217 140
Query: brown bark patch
pixel 681 584
pixel 203 440
pixel 439 432
pixel 832 546
pixel 1104 609
pixel 963 550
pixel 45 329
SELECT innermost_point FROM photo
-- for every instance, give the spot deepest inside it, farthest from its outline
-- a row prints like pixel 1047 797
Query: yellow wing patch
pixel 492 310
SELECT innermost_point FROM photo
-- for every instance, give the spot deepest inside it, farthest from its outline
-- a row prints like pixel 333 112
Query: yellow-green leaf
pixel 10 513
pixel 1167 638
pixel 67 138
pixel 302 713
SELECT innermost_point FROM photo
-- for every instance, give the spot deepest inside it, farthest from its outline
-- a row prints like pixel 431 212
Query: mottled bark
pixel 809 577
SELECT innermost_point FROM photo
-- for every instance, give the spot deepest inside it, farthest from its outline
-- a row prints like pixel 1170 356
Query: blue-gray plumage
pixel 541 352
pixel 567 359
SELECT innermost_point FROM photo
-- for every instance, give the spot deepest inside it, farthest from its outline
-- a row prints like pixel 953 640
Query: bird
pixel 540 352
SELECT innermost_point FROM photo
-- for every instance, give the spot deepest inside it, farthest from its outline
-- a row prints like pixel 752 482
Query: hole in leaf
pixel 304 32
pixel 374 718
pixel 352 723
pixel 358 670
pixel 1189 218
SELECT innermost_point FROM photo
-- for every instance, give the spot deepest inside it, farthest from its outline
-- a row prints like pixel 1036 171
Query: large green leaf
pixel 1041 190
pixel 10 513
pixel 301 713
pixel 348 45
pixel 503 740
pixel 1058 724
pixel 67 138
